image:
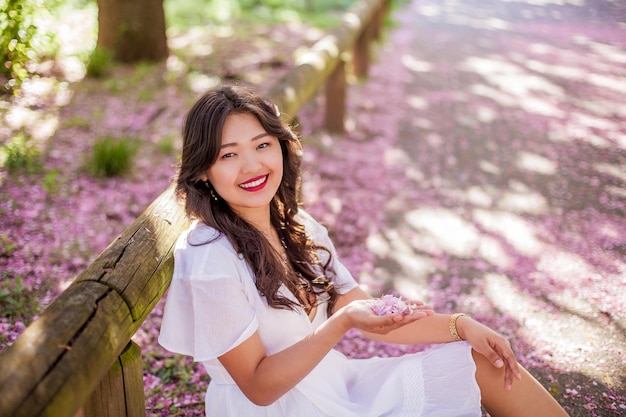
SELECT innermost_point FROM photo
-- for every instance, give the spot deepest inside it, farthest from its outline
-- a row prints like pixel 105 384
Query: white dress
pixel 213 305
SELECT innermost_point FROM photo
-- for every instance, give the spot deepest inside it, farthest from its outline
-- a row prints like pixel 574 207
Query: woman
pixel 260 298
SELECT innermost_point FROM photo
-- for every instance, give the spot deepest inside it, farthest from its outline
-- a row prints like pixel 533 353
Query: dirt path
pixel 485 173
pixel 512 159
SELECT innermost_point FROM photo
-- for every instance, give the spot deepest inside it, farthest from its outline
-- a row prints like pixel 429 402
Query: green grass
pixel 17 301
pixel 20 154
pixel 99 62
pixel 112 157
pixel 181 14
pixel 52 181
pixel 166 145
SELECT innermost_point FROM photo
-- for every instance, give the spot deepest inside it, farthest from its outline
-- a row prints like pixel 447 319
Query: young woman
pixel 260 298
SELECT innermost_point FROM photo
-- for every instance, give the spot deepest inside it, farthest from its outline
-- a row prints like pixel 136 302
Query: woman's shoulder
pixel 202 237
pixel 314 228
pixel 203 250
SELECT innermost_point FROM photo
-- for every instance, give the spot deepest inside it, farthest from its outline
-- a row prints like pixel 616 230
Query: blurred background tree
pixel 132 30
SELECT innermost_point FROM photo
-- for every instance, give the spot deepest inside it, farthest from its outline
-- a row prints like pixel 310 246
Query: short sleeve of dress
pixel 208 310
pixel 343 280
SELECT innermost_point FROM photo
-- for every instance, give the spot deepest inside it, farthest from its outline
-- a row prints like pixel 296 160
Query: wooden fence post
pixel 121 392
pixel 336 98
pixel 379 20
pixel 361 54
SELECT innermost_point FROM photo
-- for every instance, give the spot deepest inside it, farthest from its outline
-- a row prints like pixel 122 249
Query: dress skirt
pixel 439 382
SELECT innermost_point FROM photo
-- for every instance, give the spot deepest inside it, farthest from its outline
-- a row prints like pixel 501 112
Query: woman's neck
pixel 258 217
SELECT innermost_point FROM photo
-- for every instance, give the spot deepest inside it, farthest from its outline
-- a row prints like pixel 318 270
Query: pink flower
pixel 389 304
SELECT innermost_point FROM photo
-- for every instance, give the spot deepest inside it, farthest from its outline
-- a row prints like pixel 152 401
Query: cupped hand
pixel 360 316
pixel 492 345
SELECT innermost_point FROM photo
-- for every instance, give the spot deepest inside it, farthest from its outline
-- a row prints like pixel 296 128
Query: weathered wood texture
pixel 336 87
pixel 67 363
pixel 315 66
pixel 53 367
pixel 124 383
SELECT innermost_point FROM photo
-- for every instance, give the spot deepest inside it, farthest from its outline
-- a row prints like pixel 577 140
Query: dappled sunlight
pixel 511 176
pixel 523 201
pixel 536 163
pixel 415 64
pixel 395 246
pixel 443 230
pixel 516 231
pixel 327 45
pixel 504 194
pixel 512 80
pixel 576 335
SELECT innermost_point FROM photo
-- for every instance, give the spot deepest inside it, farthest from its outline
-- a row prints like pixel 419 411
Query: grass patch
pixel 15 299
pixel 112 157
pixel 166 145
pixel 183 14
pixel 99 62
pixel 52 182
pixel 77 122
pixel 20 153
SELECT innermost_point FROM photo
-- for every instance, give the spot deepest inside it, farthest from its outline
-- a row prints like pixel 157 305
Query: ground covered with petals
pixel 483 171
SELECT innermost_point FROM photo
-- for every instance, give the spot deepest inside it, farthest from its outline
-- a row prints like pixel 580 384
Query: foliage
pixel 21 41
pixel 187 13
pixel 112 156
pixel 20 153
pixel 51 182
pixel 166 145
pixel 99 61
pixel 15 299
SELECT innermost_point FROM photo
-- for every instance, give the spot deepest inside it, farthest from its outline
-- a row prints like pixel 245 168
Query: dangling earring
pixel 207 184
pixel 213 196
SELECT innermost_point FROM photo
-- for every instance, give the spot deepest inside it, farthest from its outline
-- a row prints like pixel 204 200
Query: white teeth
pixel 253 183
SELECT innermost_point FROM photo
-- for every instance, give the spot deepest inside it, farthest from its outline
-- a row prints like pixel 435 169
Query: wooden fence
pixel 77 358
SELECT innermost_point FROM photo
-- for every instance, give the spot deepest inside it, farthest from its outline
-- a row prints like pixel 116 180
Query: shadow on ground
pixel 505 191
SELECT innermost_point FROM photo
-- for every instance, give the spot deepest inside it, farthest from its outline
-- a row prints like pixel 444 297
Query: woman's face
pixel 249 167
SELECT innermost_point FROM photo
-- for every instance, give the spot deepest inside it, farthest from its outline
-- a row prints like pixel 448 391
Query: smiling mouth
pixel 254 184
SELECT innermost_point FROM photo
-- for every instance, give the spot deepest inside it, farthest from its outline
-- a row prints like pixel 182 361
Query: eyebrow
pixel 257 137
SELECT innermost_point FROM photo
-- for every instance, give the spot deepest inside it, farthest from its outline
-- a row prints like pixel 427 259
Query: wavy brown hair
pixel 202 138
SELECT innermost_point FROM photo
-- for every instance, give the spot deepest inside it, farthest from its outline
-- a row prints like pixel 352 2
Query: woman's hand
pixel 359 315
pixel 492 345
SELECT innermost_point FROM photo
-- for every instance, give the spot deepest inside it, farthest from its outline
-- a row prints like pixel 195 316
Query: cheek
pixel 278 161
pixel 218 177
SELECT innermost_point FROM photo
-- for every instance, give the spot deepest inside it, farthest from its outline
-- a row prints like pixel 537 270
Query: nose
pixel 250 162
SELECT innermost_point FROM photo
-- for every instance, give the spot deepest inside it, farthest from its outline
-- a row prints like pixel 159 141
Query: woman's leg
pixel 527 398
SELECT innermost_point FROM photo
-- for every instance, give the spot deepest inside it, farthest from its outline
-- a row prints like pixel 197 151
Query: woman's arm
pixel 435 329
pixel 264 378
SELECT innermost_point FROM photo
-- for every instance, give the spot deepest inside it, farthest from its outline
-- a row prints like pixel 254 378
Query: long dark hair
pixel 202 138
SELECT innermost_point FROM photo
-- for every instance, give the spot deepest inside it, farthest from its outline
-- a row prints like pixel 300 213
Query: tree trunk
pixel 132 30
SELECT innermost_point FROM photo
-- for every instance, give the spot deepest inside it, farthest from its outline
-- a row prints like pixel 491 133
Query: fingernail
pixel 498 363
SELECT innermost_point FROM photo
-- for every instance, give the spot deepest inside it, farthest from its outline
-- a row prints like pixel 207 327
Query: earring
pixel 207 184
pixel 213 195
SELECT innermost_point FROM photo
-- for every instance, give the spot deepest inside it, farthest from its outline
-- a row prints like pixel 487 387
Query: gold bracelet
pixel 452 326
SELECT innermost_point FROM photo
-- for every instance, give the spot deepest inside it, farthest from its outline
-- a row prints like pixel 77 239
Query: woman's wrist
pixel 455 326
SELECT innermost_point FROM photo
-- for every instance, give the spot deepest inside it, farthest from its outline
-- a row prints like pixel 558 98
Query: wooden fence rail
pixel 77 358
